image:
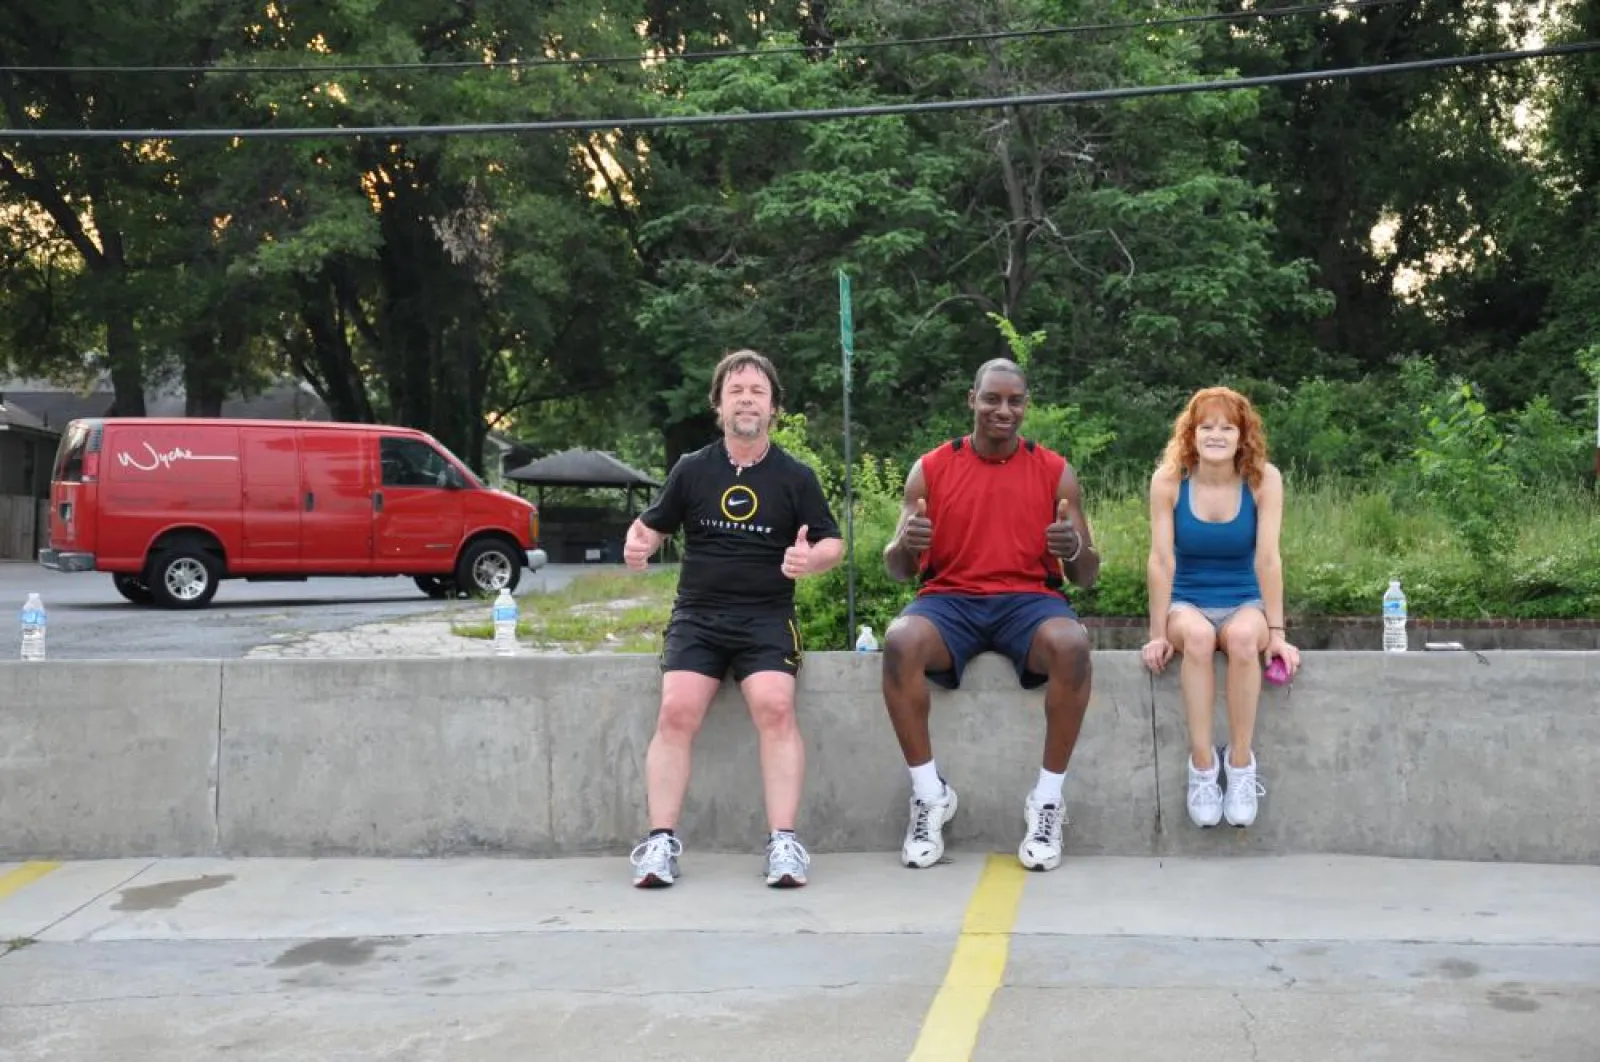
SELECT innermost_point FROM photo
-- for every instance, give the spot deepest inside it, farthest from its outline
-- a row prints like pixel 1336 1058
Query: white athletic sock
pixel 1047 790
pixel 926 783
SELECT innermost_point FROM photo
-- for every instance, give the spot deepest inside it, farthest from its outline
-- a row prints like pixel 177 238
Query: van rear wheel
pixel 184 575
pixel 489 566
pixel 133 588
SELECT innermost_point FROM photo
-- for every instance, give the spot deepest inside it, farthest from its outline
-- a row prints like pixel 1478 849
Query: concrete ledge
pixel 1456 756
pixel 382 757
pixel 1490 756
pixel 106 759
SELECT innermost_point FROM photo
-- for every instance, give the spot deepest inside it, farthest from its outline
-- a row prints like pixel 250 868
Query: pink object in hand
pixel 1277 671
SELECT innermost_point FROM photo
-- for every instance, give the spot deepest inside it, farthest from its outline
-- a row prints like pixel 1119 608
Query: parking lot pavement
pixel 1303 958
pixel 89 620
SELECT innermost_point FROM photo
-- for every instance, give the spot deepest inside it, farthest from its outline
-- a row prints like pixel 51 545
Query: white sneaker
pixel 1239 804
pixel 924 844
pixel 1205 796
pixel 1041 846
pixel 787 862
pixel 655 861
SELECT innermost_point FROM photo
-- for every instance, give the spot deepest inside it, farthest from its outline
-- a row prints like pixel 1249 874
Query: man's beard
pixel 750 431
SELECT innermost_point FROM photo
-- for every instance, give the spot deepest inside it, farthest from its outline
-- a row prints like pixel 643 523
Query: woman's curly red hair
pixel 1250 460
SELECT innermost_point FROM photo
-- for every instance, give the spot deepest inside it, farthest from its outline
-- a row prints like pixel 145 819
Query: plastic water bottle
pixel 33 624
pixel 1394 618
pixel 505 624
pixel 865 642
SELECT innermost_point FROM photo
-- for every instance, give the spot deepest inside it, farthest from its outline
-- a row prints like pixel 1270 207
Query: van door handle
pixel 377 501
pixel 311 501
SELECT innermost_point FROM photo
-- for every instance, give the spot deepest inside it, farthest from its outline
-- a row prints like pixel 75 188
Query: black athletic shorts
pixel 710 643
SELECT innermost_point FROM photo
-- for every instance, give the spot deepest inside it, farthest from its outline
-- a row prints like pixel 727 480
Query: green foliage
pixel 1021 346
pixel 1463 466
pixel 1336 250
pixel 822 602
pixel 1341 545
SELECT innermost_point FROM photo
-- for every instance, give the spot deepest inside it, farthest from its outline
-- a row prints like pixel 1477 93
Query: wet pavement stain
pixel 1459 969
pixel 165 895
pixel 332 951
pixel 1512 1000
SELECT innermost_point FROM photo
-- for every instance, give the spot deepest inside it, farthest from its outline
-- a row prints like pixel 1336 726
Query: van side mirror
pixel 453 479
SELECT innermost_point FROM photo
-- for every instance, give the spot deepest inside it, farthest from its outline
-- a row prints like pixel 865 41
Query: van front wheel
pixel 489 566
pixel 436 587
pixel 184 576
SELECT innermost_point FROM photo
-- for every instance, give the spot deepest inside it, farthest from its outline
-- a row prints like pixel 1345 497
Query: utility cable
pixel 1335 6
pixel 564 125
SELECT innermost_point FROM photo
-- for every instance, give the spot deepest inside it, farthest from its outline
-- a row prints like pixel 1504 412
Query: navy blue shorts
pixel 1001 623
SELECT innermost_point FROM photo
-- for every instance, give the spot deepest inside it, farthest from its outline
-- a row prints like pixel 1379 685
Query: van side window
pixel 69 455
pixel 412 463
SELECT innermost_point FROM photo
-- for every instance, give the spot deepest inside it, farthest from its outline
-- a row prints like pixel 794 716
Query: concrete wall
pixel 1363 634
pixel 1454 756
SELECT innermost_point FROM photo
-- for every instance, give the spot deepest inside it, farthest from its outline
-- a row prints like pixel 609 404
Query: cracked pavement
pixel 488 960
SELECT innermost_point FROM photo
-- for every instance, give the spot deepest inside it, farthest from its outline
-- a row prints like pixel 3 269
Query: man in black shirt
pixel 754 521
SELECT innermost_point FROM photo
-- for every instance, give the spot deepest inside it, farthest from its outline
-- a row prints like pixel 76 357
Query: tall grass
pixel 1342 542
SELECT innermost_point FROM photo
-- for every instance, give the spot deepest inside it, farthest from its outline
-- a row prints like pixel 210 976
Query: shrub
pixel 1463 466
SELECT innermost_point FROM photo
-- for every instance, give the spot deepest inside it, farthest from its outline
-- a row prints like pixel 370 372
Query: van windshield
pixel 462 466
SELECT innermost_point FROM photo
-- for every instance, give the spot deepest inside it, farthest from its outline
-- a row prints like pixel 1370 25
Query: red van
pixel 172 507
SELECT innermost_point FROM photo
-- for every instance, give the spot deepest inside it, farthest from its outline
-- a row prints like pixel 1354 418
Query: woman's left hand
pixel 1278 647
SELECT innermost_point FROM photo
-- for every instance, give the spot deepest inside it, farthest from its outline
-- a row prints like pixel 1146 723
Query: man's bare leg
pixel 912 646
pixel 685 697
pixel 770 695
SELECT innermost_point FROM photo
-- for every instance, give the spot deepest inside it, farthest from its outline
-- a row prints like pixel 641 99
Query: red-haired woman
pixel 1216 583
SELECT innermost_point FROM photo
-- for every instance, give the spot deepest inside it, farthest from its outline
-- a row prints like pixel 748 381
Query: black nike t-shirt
pixel 737 524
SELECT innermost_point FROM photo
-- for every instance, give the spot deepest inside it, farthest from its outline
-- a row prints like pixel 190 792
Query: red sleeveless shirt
pixel 989 519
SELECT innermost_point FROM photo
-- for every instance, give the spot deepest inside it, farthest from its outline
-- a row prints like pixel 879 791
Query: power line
pixel 749 53
pixel 564 125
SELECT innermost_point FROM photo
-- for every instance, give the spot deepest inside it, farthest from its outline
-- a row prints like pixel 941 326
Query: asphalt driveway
pixel 89 620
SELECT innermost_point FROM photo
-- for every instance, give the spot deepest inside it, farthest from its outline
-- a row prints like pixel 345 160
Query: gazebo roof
pixel 580 468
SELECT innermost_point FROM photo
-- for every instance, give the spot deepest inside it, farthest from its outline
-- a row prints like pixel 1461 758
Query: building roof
pixel 286 400
pixel 55 409
pixel 14 418
pixel 580 468
pixel 57 405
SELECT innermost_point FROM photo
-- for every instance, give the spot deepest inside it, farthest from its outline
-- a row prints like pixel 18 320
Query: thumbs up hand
pixel 1061 537
pixel 917 536
pixel 797 558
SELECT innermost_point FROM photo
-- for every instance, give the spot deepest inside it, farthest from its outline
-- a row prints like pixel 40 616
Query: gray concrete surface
pixel 89 620
pixel 1314 959
pixel 109 758
pixel 1431 755
pixel 1421 756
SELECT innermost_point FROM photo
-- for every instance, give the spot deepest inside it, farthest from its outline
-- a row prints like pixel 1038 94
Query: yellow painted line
pixel 23 876
pixel 950 1029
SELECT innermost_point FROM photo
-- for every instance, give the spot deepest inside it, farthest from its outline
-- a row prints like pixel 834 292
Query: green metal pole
pixel 847 342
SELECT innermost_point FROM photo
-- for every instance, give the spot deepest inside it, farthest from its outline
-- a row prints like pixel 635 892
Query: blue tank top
pixel 1216 562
